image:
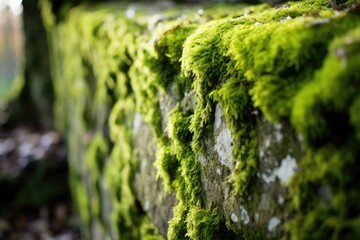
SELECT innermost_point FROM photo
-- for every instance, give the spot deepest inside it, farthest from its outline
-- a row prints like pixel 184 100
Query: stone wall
pixel 210 122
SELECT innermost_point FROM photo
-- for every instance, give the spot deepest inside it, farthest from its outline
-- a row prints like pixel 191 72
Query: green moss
pixel 315 102
pixel 324 115
pixel 167 165
pixel 187 180
pixel 345 3
pixel 238 110
pixel 203 61
pixel 176 160
pixel 95 156
pixel 202 223
pixel 275 76
pixel 169 50
pixel 177 225
pixel 97 79
pixel 191 192
pixel 257 62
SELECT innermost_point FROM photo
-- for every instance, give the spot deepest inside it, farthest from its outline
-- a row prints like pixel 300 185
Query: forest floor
pixel 35 201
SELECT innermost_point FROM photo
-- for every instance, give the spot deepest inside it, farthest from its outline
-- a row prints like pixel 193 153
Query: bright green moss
pixel 95 156
pixel 203 61
pixel 80 196
pixel 96 78
pixel 187 182
pixel 314 103
pixel 239 113
pixel 273 68
pixel 177 225
pixel 169 50
pixel 156 67
pixel 266 64
pixel 202 223
pixel 324 115
pixel 255 62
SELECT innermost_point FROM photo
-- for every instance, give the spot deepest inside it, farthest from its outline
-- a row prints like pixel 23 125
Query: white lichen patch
pixel 137 122
pixel 281 200
pixel 218 114
pixel 244 217
pixel 147 205
pixel 268 178
pixel 287 169
pixel 319 21
pixel 273 223
pixel 202 159
pixel 285 19
pixel 278 136
pixel 131 11
pixel 234 218
pixel 267 142
pixel 278 133
pixel 223 147
pixel 278 126
pixel 155 20
pixel 283 173
pixel 261 153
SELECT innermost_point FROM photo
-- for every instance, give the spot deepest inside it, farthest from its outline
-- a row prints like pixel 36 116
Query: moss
pixel 169 50
pixel 330 131
pixel 319 94
pixel 274 77
pixel 168 166
pixel 82 202
pixel 176 160
pixel 95 155
pixel 97 79
pixel 187 181
pixel 238 110
pixel 272 68
pixel 257 62
pixel 177 225
pixel 202 60
pixel 345 3
pixel 202 223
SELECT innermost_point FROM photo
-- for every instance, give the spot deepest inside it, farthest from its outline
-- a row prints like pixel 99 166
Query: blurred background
pixel 35 200
pixel 11 42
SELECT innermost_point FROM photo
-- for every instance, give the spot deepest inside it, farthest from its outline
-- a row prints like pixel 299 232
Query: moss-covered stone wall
pixel 211 122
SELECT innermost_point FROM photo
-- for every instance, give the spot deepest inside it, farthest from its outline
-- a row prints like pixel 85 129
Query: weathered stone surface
pixel 157 202
pixel 263 211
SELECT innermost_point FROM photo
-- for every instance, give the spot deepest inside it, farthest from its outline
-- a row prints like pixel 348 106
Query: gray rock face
pixel 279 150
pixel 148 186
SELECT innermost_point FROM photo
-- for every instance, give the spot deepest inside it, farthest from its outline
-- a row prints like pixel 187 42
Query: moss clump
pixel 269 68
pixel 95 155
pixel 202 223
pixel 156 70
pixel 239 113
pixel 324 114
pixel 96 80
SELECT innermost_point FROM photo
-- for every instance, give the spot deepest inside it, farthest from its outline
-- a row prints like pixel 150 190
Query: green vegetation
pixel 296 63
